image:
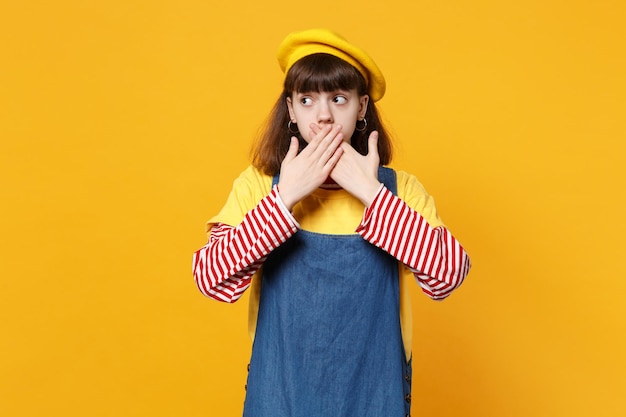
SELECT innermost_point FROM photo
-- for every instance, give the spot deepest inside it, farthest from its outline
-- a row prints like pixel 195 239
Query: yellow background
pixel 123 124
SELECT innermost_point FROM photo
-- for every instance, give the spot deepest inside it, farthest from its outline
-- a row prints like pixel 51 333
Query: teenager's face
pixel 341 107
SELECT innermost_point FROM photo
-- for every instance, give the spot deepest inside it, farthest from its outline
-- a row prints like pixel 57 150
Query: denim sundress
pixel 328 341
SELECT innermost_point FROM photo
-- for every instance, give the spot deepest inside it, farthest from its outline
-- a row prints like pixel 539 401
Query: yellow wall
pixel 123 123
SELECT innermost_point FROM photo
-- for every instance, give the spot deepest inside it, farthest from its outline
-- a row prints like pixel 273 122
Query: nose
pixel 324 114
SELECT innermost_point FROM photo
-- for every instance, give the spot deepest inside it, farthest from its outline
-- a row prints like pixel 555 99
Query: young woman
pixel 327 239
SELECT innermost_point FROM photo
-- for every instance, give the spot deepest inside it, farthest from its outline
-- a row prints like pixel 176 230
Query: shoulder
pixel 408 184
pixel 250 187
pixel 253 179
pixel 411 190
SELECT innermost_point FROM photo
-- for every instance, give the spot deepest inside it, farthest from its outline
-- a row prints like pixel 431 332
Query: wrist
pixel 287 201
pixel 370 193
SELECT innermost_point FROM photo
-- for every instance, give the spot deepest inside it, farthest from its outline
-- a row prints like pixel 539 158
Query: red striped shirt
pixel 436 258
pixel 224 267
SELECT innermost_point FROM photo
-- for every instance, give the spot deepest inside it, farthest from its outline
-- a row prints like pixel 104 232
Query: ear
pixel 292 115
pixel 363 102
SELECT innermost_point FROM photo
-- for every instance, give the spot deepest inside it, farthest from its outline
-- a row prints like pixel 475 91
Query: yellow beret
pixel 297 45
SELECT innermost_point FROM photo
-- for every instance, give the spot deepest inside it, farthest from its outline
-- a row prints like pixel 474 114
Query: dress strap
pixel 388 177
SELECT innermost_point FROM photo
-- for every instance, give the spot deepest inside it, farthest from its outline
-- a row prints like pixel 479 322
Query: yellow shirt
pixel 331 212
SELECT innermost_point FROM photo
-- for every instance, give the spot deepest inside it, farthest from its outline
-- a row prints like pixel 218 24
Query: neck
pixel 330 184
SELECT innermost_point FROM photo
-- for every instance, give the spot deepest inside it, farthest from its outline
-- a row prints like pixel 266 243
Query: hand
pixel 301 174
pixel 356 173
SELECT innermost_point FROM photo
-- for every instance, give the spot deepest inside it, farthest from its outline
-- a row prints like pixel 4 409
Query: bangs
pixel 323 72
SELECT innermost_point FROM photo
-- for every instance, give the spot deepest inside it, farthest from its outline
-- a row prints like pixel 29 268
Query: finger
pixel 372 144
pixel 293 149
pixel 327 152
pixel 351 153
pixel 319 133
pixel 335 157
pixel 326 131
pixel 327 142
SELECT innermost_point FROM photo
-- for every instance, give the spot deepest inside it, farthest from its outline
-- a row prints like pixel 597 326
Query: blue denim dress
pixel 328 341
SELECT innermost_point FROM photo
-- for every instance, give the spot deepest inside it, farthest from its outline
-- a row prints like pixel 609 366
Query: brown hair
pixel 315 73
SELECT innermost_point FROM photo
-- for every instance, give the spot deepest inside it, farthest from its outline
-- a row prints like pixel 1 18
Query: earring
pixel 362 129
pixel 289 128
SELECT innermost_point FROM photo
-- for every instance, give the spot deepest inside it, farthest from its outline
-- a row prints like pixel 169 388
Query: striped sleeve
pixel 223 267
pixel 436 258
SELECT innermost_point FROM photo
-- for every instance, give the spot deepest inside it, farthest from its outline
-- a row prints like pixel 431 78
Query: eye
pixel 340 100
pixel 306 101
